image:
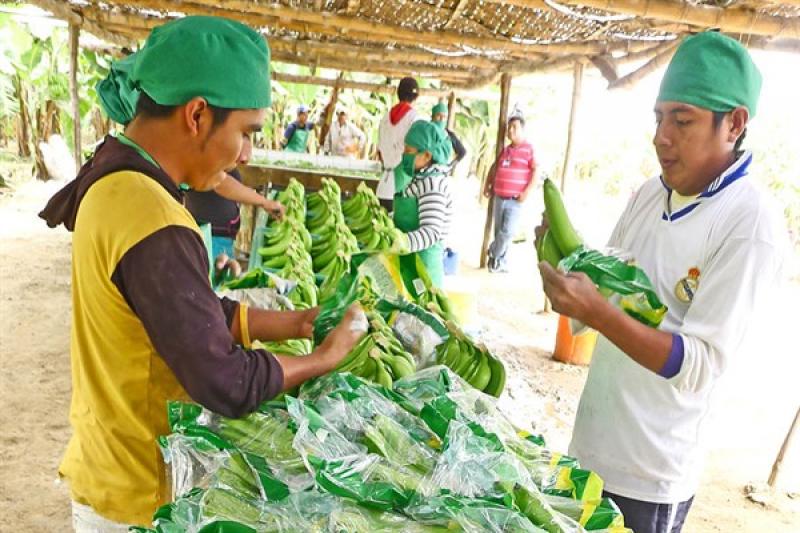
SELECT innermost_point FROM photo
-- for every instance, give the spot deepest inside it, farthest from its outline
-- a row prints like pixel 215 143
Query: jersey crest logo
pixel 686 287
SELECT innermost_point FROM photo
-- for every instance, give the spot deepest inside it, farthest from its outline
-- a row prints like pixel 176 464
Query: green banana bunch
pixel 291 347
pixel 293 198
pixel 547 250
pixel 473 362
pixel 373 228
pixel 304 295
pixel 437 302
pixel 379 356
pixel 563 233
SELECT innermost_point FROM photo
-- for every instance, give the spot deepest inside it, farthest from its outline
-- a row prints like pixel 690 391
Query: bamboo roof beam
pixel 383 68
pixel 729 20
pixel 352 7
pixel 377 53
pixel 332 24
pixel 354 85
pixel 65 12
pixel 454 16
pixel 660 59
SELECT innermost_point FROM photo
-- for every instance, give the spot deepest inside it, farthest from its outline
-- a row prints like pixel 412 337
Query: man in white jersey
pixel 713 246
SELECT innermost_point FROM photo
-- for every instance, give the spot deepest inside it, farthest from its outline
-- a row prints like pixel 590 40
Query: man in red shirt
pixel 510 180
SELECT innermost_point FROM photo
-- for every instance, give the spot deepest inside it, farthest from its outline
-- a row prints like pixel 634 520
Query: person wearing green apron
pixel 422 202
pixel 295 138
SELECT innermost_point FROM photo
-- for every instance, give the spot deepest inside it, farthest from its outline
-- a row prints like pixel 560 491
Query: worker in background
pixel 391 136
pixel 439 118
pixel 509 182
pixel 344 139
pixel 422 203
pixel 714 247
pixel 220 208
pixel 147 326
pixel 295 138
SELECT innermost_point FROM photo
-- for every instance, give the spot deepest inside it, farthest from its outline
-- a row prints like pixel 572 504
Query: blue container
pixel 450 262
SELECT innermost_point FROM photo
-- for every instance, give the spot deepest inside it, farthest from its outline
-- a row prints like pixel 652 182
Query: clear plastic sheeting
pixel 428 454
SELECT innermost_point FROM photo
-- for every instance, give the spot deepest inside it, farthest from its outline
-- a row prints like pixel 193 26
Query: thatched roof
pixel 464 43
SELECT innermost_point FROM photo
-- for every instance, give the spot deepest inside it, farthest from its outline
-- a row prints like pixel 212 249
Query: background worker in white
pixel 391 137
pixel 713 246
pixel 344 138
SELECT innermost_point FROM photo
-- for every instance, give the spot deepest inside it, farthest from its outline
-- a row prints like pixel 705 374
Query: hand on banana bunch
pixel 274 208
pixel 226 268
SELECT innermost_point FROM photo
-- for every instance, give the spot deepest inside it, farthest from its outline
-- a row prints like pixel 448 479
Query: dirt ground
pixel 542 394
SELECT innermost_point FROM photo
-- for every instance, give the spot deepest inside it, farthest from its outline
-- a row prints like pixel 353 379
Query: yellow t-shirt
pixel 120 384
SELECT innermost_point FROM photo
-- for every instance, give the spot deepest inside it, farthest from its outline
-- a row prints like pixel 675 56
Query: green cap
pixel 712 71
pixel 426 137
pixel 439 108
pixel 221 60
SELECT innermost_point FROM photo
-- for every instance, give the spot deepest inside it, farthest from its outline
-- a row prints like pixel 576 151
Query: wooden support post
pixel 776 466
pixel 330 110
pixel 505 91
pixel 576 97
pixel 74 33
pixel 451 110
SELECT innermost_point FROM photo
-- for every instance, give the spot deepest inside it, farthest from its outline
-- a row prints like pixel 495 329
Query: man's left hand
pixel 275 209
pixel 523 196
pixel 573 294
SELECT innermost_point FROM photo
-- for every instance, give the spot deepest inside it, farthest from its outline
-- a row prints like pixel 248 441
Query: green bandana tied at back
pixel 427 137
pixel 439 108
pixel 714 72
pixel 221 60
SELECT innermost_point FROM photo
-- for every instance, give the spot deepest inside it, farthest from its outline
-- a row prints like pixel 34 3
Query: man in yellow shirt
pixel 147 326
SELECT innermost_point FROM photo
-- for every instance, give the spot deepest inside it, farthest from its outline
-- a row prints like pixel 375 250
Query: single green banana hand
pixel 564 234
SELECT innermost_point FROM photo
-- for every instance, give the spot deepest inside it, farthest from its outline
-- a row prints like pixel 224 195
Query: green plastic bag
pixel 333 309
pixel 613 275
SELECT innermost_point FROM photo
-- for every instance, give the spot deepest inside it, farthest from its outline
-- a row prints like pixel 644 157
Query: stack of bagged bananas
pixel 332 243
pixel 472 361
pixel 370 223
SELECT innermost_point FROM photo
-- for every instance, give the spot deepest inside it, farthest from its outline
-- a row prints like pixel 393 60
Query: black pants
pixel 648 517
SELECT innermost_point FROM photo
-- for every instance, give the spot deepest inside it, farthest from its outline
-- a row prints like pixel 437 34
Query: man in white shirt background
pixel 344 138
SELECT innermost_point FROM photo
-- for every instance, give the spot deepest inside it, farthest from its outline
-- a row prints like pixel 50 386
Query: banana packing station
pixel 333 385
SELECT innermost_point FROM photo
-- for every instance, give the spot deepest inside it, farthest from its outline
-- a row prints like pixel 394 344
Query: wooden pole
pixel 776 467
pixel 74 33
pixel 451 110
pixel 505 91
pixel 576 96
pixel 330 110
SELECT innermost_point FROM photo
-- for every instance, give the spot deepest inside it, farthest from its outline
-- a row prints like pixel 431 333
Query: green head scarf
pixel 439 108
pixel 427 137
pixel 221 60
pixel 712 71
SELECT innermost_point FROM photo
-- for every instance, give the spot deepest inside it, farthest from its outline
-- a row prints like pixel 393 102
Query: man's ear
pixel 739 118
pixel 194 115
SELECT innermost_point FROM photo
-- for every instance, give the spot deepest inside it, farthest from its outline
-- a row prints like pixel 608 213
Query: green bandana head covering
pixel 439 108
pixel 427 137
pixel 221 60
pixel 712 71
